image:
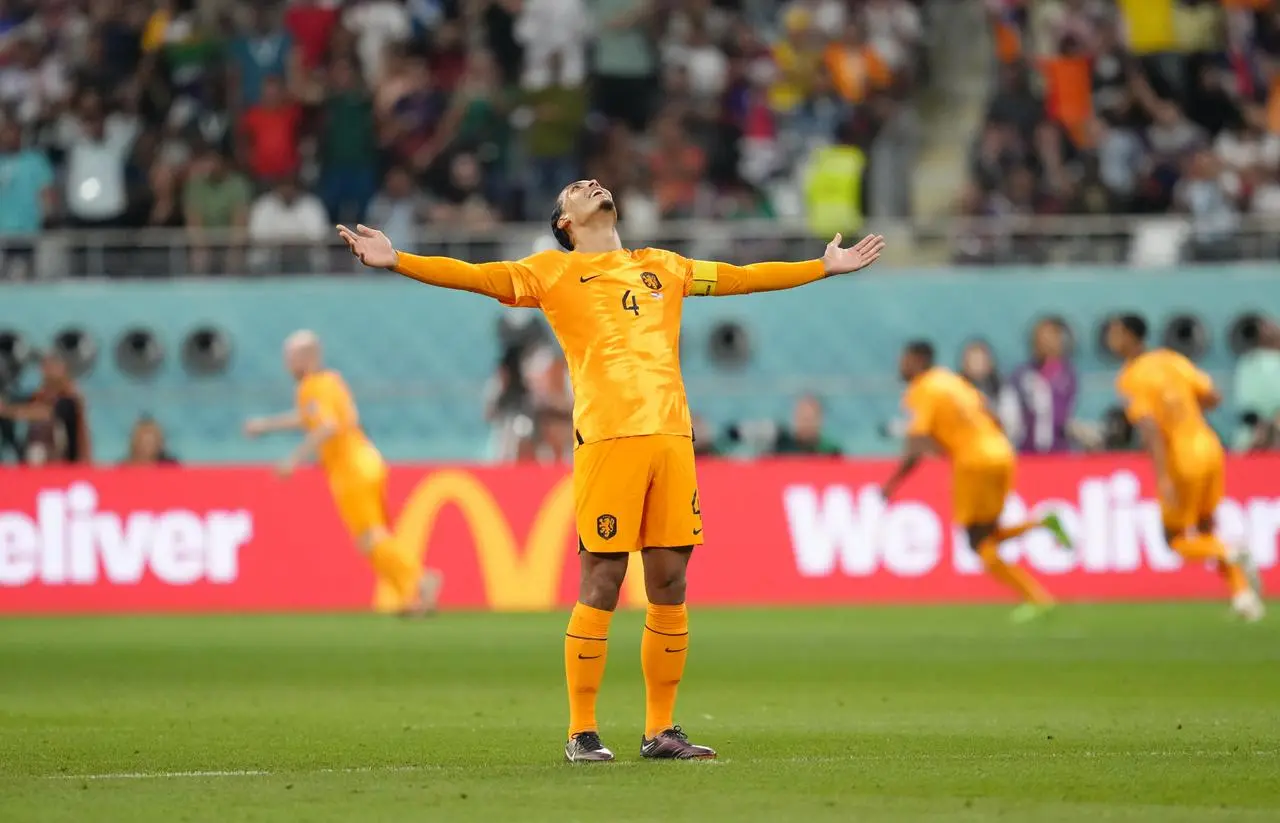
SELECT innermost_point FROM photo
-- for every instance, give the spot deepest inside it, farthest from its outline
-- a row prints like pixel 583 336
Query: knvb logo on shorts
pixel 606 526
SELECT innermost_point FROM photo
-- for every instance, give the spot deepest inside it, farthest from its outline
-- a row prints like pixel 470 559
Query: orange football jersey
pixel 617 317
pixel 323 398
pixel 946 408
pixel 1167 387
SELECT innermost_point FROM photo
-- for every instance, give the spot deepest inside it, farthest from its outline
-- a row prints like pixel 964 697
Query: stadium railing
pixel 985 241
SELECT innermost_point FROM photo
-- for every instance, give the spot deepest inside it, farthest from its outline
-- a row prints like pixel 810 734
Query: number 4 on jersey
pixel 629 302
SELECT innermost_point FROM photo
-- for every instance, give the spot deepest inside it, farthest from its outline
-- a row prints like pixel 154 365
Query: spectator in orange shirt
pixel 855 67
pixel 1069 89
pixel 269 133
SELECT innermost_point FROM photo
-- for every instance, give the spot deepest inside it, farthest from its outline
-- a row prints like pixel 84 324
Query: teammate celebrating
pixel 949 413
pixel 357 473
pixel 1165 396
pixel 616 313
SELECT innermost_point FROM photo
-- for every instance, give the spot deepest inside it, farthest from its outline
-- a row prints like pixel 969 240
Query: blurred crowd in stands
pixel 272 120
pixel 1130 106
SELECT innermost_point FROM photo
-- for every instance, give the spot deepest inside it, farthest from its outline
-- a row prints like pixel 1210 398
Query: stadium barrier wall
pixel 778 532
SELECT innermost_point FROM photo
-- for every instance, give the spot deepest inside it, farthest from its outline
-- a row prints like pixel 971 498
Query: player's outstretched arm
pixel 307 449
pixel 724 279
pixel 374 249
pixel 285 421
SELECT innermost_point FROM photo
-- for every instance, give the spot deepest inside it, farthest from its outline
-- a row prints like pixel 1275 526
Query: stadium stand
pixel 167 130
pixel 1134 107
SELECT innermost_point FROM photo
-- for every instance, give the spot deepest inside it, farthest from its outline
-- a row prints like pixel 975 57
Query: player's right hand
pixel 372 247
pixel 254 428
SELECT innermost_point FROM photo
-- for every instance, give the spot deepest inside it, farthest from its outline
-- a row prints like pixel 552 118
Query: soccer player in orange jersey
pixel 1165 396
pixel 357 474
pixel 948 413
pixel 616 313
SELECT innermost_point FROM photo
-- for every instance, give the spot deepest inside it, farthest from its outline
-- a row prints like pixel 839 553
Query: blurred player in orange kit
pixel 1165 396
pixel 357 474
pixel 948 413
pixel 616 313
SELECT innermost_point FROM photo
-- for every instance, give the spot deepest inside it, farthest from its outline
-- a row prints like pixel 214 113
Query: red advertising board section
pixel 777 532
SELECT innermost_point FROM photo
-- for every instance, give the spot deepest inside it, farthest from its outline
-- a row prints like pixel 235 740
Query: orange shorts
pixel 978 491
pixel 633 493
pixel 1200 486
pixel 361 498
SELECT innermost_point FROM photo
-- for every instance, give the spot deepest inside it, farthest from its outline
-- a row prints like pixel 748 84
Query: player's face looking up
pixel 584 201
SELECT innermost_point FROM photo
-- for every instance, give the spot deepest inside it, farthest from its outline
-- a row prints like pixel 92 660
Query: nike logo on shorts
pixel 589 279
pixel 697 532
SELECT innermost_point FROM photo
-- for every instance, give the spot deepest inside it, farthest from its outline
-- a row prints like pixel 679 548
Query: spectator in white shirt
pixel 705 62
pixel 30 85
pixel 377 24
pixel 549 29
pixel 98 150
pixel 288 228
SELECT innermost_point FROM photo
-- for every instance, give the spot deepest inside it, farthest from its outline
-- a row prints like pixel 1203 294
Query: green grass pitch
pixel 1133 713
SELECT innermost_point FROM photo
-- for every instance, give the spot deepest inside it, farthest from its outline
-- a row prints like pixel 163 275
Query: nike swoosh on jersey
pixel 589 279
pixel 697 532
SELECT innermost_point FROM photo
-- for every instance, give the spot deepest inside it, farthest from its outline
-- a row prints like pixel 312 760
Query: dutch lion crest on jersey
pixel 606 526
pixel 651 281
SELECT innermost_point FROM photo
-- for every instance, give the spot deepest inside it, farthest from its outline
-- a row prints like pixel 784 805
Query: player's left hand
pixel 286 469
pixel 858 256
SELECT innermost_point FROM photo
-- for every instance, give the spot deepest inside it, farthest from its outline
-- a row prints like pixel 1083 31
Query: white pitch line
pixel 724 761
pixel 158 775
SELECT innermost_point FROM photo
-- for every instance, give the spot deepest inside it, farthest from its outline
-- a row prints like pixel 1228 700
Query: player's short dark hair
pixel 561 235
pixel 922 349
pixel 1132 323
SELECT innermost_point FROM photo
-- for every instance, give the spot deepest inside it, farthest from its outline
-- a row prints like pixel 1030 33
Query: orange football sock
pixel 1003 533
pixel 1208 548
pixel 397 568
pixel 1015 577
pixel 663 651
pixel 586 645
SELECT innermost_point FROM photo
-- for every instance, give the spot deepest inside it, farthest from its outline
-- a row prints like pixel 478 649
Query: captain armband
pixel 705 279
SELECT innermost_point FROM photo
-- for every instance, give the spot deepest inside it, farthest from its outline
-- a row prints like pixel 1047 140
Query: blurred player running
pixel 949 413
pixel 616 313
pixel 356 471
pixel 1164 396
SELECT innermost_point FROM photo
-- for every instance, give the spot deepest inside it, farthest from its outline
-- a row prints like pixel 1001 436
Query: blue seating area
pixel 417 358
